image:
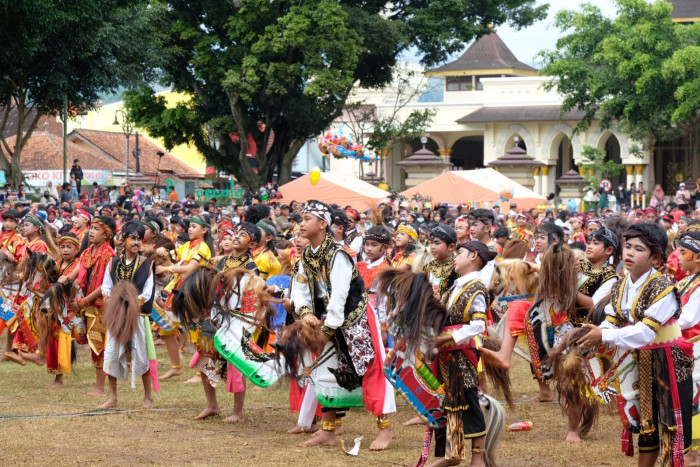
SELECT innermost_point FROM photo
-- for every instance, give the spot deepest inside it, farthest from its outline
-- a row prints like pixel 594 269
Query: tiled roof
pixel 489 52
pixel 113 145
pixel 685 8
pixel 46 123
pixel 535 113
pixel 44 151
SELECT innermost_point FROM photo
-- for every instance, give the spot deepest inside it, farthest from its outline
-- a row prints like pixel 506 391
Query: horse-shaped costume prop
pixel 38 273
pixel 415 318
pixel 58 326
pixel 512 285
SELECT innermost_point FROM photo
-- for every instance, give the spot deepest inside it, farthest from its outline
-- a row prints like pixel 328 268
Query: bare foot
pixel 382 441
pixel 414 421
pixel 147 402
pixel 172 373
pixel 54 385
pixel 234 418
pixel 194 379
pixel 96 392
pixel 320 438
pixel 543 396
pixel 109 404
pixel 33 357
pixel 13 357
pixel 208 412
pixel 300 429
pixel 445 462
pixel 573 437
pixel 691 459
pixel 159 342
pixel 494 359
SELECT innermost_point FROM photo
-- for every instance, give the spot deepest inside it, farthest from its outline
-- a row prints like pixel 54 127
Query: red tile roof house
pixel 101 150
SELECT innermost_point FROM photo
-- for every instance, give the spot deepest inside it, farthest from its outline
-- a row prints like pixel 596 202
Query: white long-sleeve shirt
pixel 638 334
pixel 340 276
pixel 690 314
pixel 107 284
pixel 603 291
pixel 476 327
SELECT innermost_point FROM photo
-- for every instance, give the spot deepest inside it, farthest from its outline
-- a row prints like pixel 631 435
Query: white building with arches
pixel 487 101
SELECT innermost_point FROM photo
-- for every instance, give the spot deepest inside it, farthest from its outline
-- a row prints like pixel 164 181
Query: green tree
pixel 594 160
pixel 61 51
pixel 282 71
pixel 379 131
pixel 637 72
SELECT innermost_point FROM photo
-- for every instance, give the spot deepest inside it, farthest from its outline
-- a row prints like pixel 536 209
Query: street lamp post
pixel 127 128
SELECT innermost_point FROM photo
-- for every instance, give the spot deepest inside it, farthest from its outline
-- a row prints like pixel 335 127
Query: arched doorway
pixel 612 153
pixel 564 154
pixel 468 153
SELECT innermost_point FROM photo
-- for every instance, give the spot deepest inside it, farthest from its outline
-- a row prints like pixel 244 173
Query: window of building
pixel 459 83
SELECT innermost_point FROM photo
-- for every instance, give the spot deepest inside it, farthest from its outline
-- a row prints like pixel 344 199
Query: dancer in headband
pixel 93 264
pixel 186 258
pixel 644 306
pixel 406 247
pixel 328 294
pixel 128 287
pixel 440 271
pixel 265 253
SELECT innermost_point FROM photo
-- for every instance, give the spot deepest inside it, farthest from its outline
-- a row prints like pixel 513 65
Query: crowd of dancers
pixel 359 307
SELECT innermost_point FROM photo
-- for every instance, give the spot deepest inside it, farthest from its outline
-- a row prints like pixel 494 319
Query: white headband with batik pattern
pixel 320 210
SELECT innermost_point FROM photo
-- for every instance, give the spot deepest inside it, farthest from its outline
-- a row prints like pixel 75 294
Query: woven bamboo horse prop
pixel 513 280
pixel 39 273
pixel 611 374
pixel 239 336
pixel 8 291
pixel 415 318
pixel 55 319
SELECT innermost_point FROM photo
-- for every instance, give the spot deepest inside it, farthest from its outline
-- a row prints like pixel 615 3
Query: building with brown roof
pixel 112 146
pixel 102 151
pixel 490 102
pixel 685 11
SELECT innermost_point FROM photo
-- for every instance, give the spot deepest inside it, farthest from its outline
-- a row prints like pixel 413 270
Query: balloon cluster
pixel 341 146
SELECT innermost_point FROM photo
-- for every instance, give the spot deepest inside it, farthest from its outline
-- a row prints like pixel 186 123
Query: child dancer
pixel 68 246
pixel 466 302
pixel 187 257
pixel 642 315
pixel 405 247
pixel 244 239
pixel 127 315
pixel 90 273
pixel 440 271
pixel 689 291
pixel 341 314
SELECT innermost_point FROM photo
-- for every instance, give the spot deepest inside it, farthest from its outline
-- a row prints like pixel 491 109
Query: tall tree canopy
pixel 638 71
pixel 59 51
pixel 279 72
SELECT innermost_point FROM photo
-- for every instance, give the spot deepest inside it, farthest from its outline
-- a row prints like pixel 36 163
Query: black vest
pixel 139 280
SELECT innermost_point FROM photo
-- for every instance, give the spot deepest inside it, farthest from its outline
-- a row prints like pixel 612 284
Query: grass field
pixel 51 427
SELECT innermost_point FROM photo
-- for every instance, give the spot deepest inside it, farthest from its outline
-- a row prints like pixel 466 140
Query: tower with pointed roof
pixel 487 57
